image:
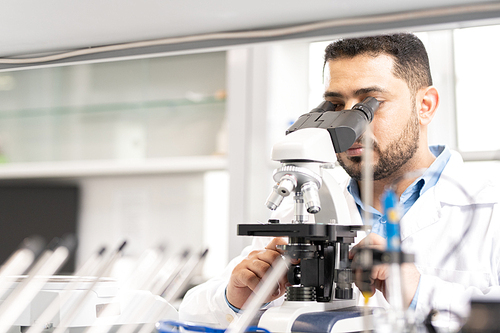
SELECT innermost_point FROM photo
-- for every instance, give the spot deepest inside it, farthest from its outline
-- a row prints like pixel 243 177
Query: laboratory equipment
pixel 318 234
pixel 19 261
pixel 105 294
pixel 41 301
pixel 173 290
pixel 50 261
pixel 51 310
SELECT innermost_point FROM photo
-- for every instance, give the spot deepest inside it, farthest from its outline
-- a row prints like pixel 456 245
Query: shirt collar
pixel 426 181
pixel 432 174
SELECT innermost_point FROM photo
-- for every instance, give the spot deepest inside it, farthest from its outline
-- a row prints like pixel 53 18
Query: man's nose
pixel 349 104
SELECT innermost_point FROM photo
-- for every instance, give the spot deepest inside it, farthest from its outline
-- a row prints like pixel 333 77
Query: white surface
pixel 308 144
pixel 31 26
pixel 89 308
pixel 281 319
pixel 216 222
pixel 147 211
pixel 476 73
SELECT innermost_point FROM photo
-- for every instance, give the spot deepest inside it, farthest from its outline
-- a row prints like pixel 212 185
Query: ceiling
pixel 36 27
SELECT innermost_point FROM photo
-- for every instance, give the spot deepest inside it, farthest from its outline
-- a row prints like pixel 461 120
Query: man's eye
pixel 332 106
pixel 338 107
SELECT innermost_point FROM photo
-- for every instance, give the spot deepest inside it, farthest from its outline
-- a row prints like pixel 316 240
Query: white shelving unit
pixel 192 194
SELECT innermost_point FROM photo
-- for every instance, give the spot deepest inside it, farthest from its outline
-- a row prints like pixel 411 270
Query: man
pixel 442 207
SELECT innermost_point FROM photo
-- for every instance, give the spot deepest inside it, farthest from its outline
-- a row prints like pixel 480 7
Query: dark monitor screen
pixel 47 210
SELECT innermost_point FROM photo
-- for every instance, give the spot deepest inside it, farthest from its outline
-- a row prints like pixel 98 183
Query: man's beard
pixel 394 156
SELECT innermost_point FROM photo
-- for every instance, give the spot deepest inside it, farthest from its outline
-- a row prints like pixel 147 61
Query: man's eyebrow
pixel 359 92
pixel 332 94
pixel 364 91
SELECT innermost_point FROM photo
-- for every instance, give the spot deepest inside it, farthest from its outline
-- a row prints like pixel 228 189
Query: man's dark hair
pixel 411 63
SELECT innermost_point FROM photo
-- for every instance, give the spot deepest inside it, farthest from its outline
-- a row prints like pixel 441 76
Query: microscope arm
pixel 334 207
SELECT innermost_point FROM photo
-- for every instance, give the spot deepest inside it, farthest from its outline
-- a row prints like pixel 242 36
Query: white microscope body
pixel 312 166
pixel 319 234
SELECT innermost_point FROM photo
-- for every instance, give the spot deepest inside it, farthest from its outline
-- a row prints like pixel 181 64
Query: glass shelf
pixel 80 169
pixel 121 131
pixel 109 116
pixel 111 107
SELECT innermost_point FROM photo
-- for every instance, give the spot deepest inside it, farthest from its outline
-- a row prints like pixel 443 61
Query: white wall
pixel 178 211
pixel 147 211
pixel 267 88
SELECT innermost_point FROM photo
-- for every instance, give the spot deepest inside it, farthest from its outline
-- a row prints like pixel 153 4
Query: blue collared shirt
pixel 426 181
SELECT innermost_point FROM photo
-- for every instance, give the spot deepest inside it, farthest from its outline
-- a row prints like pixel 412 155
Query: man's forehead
pixel 360 73
pixel 362 61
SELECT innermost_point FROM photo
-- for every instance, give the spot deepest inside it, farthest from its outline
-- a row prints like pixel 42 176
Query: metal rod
pixel 87 269
pixel 48 264
pixel 104 268
pixel 174 290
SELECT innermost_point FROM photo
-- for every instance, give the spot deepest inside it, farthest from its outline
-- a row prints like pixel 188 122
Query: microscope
pixel 318 236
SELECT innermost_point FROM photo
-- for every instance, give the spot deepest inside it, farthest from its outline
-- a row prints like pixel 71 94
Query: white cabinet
pixel 124 111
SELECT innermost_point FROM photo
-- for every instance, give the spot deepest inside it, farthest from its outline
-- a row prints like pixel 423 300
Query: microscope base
pixel 335 321
pixel 335 316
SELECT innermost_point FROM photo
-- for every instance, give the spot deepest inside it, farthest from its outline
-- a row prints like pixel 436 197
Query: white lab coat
pixel 430 229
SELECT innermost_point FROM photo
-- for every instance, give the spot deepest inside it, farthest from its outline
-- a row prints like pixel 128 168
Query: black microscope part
pixel 344 127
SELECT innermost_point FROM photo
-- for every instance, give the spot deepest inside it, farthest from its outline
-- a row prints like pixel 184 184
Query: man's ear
pixel 429 100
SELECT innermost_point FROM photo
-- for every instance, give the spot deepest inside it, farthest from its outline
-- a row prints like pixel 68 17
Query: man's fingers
pixel 373 241
pixel 379 285
pixel 284 280
pixel 268 256
pixel 252 276
pixel 275 242
pixel 379 272
pixel 258 263
pixel 258 267
pixel 249 279
pixel 247 275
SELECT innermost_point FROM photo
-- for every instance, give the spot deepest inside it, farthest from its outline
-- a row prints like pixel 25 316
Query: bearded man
pixel 436 202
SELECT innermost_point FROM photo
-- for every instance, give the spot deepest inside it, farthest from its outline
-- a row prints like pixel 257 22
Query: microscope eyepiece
pixel 344 126
pixel 324 106
pixel 368 107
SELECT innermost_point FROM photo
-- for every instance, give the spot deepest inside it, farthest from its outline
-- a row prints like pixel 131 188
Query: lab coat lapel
pixel 424 212
pixel 427 209
pixel 457 187
pixel 447 192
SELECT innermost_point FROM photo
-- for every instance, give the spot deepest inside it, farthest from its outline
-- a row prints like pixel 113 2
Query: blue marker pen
pixel 391 212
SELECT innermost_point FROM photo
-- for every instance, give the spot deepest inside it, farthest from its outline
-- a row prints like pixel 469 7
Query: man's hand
pixel 247 274
pixel 410 276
